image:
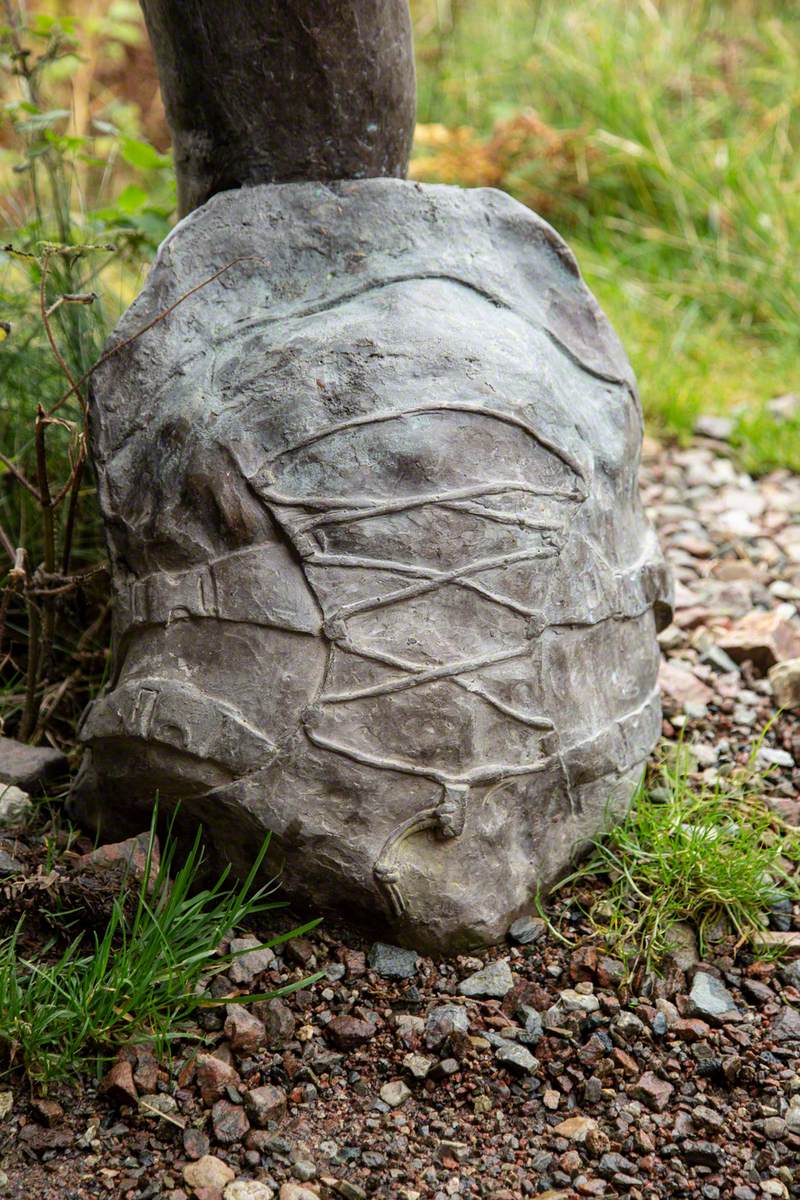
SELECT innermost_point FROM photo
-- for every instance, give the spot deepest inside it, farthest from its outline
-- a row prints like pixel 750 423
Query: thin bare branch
pixel 5 600
pixel 30 709
pixel 45 312
pixel 75 473
pixel 72 507
pixel 20 568
pixel 50 701
pixel 44 491
pixel 68 584
pixel 20 477
pixel 92 630
pixel 15 577
pixel 7 544
pixel 149 325
pixel 72 298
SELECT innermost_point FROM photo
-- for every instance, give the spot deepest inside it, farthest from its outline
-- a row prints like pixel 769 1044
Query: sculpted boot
pixel 384 586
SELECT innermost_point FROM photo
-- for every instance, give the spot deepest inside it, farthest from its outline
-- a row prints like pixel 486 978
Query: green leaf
pixel 66 143
pixel 142 155
pixel 132 198
pixel 45 120
pixel 152 225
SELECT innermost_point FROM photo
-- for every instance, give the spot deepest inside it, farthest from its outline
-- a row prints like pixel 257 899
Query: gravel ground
pixel 532 1069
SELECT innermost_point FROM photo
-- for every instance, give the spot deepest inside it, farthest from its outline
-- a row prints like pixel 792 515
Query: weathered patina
pixel 384 584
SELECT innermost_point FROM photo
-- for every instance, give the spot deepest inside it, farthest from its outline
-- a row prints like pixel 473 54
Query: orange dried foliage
pixel 537 163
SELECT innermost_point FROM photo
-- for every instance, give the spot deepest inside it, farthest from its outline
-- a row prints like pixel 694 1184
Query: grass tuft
pixel 141 980
pixel 712 855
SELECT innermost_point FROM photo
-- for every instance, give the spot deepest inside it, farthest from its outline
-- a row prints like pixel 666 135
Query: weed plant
pixel 83 202
pixel 141 980
pixel 713 855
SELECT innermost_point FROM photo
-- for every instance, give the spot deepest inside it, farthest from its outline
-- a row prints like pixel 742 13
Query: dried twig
pixel 7 544
pixel 20 477
pixel 50 701
pixel 61 584
pixel 149 325
pixel 72 508
pixel 30 709
pixel 44 588
pixel 48 328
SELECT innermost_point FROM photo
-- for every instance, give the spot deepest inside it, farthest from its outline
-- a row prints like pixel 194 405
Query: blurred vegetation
pixel 660 137
pixel 85 198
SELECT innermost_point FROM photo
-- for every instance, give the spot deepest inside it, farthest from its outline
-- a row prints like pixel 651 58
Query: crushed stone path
pixel 409 1078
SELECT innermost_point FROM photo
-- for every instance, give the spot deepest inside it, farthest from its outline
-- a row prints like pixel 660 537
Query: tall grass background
pixel 662 140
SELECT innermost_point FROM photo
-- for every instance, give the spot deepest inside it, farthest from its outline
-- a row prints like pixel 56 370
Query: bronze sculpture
pixel 384 583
